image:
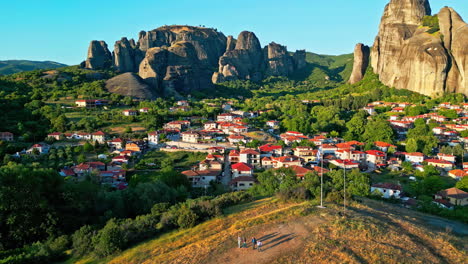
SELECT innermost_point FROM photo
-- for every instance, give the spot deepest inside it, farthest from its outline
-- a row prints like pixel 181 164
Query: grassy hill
pixel 326 67
pixel 15 66
pixel 371 232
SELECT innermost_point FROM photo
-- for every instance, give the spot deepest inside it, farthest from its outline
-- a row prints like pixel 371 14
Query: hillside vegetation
pixel 371 232
pixel 15 66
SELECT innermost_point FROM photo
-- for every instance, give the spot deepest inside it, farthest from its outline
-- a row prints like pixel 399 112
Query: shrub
pixel 432 22
pixel 295 194
pixel 109 240
pixel 82 240
pixel 187 218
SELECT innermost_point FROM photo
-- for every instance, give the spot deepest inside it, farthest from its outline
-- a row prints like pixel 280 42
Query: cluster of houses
pixel 241 163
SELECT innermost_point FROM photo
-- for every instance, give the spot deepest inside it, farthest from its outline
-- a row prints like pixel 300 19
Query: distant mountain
pixel 14 66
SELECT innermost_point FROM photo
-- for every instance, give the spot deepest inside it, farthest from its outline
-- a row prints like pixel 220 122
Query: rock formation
pixel 99 56
pixel 175 69
pixel 245 62
pixel 407 56
pixel 231 43
pixel 299 58
pixel 176 59
pixel 208 43
pixel 124 56
pixel 361 61
pixel 455 33
pixel 279 61
pixel 130 84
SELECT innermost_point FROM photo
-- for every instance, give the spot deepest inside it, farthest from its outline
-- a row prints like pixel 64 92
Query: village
pixel 236 150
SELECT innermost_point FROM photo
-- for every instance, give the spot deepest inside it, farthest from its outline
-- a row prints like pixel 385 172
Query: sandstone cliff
pixel 248 61
pixel 99 56
pixel 361 61
pixel 176 59
pixel 407 55
pixel 175 69
pixel 244 62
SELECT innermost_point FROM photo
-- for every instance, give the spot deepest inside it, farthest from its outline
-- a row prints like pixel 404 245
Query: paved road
pixel 227 177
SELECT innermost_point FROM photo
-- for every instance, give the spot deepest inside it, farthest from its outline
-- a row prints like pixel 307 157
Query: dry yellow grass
pixel 301 233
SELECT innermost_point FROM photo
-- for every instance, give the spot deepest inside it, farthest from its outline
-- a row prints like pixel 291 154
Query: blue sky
pixel 60 30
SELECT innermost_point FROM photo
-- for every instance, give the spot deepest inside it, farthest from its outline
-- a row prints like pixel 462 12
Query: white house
pixel 129 112
pixel 99 136
pixel 242 183
pixel 415 157
pixel 190 136
pixel 241 169
pixel 226 117
pixel 116 143
pixel 250 156
pixel 387 190
pixel 201 179
pixel 447 157
pixel 153 139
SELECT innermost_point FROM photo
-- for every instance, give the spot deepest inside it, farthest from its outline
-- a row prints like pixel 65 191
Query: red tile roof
pixel 241 166
pixel 269 148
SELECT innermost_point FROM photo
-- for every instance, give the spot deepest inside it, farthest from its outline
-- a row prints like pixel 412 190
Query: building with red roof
pixel 454 195
pixel 300 171
pixel 446 165
pixel 241 169
pixel 415 157
pixel 269 150
pixel 345 164
pixel 242 183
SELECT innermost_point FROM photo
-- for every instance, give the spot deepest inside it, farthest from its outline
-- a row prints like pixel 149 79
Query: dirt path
pixel 277 242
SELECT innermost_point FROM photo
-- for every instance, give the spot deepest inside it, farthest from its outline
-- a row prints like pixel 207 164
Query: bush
pixel 82 241
pixel 432 22
pixel 38 253
pixel 109 240
pixel 187 218
pixel 294 194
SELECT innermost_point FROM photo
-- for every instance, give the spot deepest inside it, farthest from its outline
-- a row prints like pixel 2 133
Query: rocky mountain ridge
pixel 428 58
pixel 180 59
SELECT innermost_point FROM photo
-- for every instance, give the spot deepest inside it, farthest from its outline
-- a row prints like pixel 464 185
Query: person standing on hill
pixel 244 245
pixel 239 241
pixel 254 242
pixel 259 246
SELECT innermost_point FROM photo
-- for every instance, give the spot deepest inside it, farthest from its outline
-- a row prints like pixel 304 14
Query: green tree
pixel 411 145
pixel 87 147
pixel 378 130
pixel 109 240
pixel 463 184
pixel 28 204
pixel 356 126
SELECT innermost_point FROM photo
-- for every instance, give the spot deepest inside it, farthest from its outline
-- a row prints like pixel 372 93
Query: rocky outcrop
pixel 209 44
pixel 130 84
pixel 99 56
pixel 455 33
pixel 244 62
pixel 175 69
pixel 230 43
pixel 361 61
pixel 407 56
pixel 299 58
pixel 182 58
pixel 280 63
pixel 124 56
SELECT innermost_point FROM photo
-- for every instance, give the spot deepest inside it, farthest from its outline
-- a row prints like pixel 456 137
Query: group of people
pixel 242 242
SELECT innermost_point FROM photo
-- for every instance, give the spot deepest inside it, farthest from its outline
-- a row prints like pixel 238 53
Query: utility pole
pixel 344 189
pixel 320 154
